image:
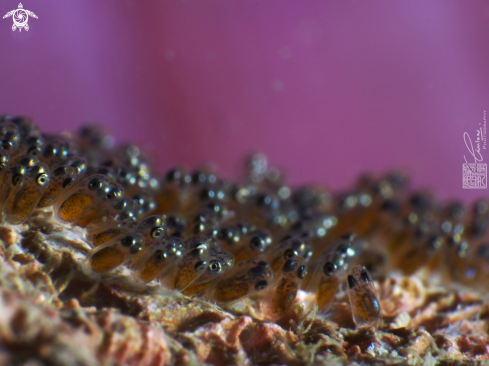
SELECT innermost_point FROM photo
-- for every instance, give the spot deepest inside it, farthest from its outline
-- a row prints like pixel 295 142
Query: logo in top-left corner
pixel 20 17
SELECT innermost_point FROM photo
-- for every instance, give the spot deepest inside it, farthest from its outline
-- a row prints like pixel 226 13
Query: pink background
pixel 327 89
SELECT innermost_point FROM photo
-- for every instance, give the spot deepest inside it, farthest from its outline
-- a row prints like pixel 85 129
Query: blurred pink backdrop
pixel 327 89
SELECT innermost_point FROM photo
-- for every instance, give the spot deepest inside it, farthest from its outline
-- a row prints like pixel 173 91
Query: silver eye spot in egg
pixel 198 228
pixel 200 266
pixel 28 161
pixel 346 250
pixel 257 243
pixel 113 193
pixel 121 204
pixel 67 182
pixel 198 252
pixel 134 249
pixel 62 170
pixel 7 145
pixel 159 256
pixel 128 241
pixel 290 253
pixel 157 232
pixel 214 266
pixel 329 269
pixel 225 234
pixel 95 184
pixel 263 200
pixel 42 179
pixel 17 179
pixel 288 266
pixel 151 221
pixel 49 151
pixel 342 249
pixel 258 270
pixel 173 175
pixel 34 150
pixel 298 246
pixel 260 285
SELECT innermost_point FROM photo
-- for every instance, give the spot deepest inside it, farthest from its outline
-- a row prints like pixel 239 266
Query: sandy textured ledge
pixel 55 312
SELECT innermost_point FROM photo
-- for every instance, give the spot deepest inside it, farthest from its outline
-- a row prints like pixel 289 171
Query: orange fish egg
pixel 245 279
pixel 115 252
pixel 364 302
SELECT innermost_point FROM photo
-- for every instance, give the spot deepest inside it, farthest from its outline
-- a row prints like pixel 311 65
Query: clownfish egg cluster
pixel 224 241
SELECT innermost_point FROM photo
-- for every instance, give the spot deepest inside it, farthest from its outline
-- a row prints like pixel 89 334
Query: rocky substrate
pixel 54 311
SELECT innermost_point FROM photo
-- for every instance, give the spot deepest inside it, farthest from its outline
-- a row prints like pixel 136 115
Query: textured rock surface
pixel 53 311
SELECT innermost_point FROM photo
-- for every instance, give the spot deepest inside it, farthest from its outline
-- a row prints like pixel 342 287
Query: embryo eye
pixel 365 276
pixel 157 232
pixel 42 179
pixel 159 256
pixel 329 268
pixel 95 184
pixel 214 266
